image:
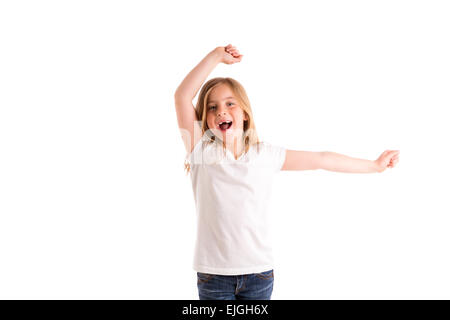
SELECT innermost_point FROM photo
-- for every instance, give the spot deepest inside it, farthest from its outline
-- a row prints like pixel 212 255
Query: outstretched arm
pixel 332 161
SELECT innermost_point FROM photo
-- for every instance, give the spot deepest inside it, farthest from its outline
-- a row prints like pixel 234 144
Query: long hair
pixel 249 135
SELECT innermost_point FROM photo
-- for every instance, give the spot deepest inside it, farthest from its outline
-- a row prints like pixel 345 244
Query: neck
pixel 236 146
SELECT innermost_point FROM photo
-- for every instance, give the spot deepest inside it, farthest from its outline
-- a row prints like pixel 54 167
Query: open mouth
pixel 225 125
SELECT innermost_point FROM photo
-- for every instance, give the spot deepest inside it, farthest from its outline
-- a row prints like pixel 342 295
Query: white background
pixel 94 203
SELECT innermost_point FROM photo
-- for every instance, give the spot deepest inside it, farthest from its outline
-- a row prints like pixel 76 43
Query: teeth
pixel 224 122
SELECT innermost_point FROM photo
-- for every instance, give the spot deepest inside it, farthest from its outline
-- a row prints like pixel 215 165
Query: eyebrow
pixel 222 100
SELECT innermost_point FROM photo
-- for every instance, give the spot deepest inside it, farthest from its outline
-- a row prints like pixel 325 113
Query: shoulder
pixel 270 155
pixel 272 152
pixel 270 147
pixel 205 151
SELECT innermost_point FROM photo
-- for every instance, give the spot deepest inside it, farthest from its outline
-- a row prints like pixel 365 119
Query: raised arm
pixel 187 90
pixel 332 161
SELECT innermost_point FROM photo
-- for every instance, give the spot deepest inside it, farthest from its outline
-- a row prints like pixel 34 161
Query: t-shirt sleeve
pixel 276 154
pixel 195 156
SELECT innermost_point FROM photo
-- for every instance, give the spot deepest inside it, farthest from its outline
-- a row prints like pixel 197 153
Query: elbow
pixel 322 163
pixel 177 95
pixel 181 97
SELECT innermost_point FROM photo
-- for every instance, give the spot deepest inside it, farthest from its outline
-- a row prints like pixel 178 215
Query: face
pixel 222 107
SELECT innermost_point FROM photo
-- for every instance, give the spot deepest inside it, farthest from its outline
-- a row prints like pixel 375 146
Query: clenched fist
pixel 388 159
pixel 229 54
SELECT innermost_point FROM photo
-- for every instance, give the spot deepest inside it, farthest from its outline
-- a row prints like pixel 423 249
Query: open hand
pixel 388 159
pixel 229 54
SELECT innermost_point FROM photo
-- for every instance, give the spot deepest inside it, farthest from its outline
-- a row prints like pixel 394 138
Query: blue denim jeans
pixel 254 286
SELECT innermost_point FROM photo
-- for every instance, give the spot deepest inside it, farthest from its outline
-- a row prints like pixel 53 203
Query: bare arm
pixel 337 162
pixel 187 90
pixel 189 87
pixel 302 160
pixel 332 161
pixel 185 93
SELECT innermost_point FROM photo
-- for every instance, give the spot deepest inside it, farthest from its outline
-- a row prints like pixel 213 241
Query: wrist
pixel 216 55
pixel 377 167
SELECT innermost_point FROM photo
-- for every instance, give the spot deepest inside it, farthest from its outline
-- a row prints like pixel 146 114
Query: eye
pixel 210 107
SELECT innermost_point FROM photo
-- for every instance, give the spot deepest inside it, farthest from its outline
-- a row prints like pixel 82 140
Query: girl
pixel 231 173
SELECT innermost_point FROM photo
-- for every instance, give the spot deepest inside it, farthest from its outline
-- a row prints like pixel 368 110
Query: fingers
pixel 395 156
pixel 229 48
pixel 234 53
pixel 391 156
pixel 232 50
pixel 391 153
pixel 393 161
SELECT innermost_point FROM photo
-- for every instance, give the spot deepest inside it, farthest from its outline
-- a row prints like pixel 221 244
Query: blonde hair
pixel 249 135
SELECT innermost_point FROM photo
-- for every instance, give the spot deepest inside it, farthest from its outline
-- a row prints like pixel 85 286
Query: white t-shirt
pixel 231 198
